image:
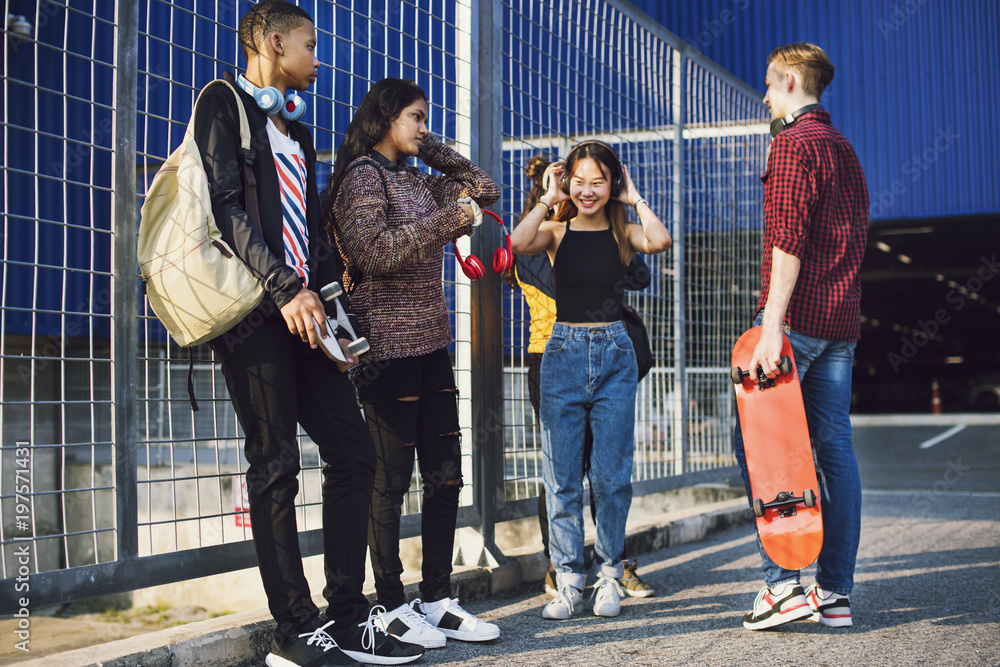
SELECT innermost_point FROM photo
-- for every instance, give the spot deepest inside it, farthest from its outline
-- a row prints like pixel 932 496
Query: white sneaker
pixel 456 623
pixel 607 596
pixel 567 601
pixel 405 623
pixel 828 608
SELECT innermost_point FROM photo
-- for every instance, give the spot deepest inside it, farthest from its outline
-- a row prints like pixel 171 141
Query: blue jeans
pixel 824 368
pixel 588 372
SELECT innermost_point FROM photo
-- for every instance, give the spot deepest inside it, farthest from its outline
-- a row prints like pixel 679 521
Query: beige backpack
pixel 195 284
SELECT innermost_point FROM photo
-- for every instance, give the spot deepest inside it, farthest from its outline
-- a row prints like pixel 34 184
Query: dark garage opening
pixel 930 311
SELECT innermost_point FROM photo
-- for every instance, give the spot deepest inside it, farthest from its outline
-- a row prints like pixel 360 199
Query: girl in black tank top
pixel 588 371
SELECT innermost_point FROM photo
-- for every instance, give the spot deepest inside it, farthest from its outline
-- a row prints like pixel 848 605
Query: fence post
pixel 680 388
pixel 123 280
pixel 487 340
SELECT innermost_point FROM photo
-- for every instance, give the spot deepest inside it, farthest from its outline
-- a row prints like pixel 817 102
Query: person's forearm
pixel 462 177
pixel 523 237
pixel 657 236
pixel 784 274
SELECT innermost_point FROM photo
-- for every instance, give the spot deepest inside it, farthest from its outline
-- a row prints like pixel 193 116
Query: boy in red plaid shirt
pixel 815 232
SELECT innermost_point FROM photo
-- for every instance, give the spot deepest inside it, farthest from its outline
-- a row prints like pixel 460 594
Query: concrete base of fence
pixel 243 639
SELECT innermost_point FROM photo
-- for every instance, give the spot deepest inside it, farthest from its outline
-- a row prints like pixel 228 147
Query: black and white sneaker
pixel 367 642
pixel 456 623
pixel 782 604
pixel 830 609
pixel 410 626
pixel 315 648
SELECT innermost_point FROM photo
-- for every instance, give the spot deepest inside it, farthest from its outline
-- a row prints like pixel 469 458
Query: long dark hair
pixel 370 125
pixel 614 209
pixel 534 170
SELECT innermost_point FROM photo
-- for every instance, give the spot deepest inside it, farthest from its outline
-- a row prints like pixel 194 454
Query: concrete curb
pixel 967 418
pixel 244 639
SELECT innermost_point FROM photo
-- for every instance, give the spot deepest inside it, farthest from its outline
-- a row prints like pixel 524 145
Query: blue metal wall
pixel 915 89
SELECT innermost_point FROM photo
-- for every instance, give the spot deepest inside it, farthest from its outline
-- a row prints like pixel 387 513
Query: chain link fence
pixel 109 482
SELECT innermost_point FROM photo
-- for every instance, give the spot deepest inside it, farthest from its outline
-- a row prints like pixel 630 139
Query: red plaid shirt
pixel 816 208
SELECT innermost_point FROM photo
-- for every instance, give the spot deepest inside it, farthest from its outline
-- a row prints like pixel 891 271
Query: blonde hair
pixel 810 61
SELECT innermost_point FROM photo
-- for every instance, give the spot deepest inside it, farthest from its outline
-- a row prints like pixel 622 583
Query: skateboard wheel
pixel 758 507
pixel 736 374
pixel 331 291
pixel 785 365
pixel 359 346
pixel 809 497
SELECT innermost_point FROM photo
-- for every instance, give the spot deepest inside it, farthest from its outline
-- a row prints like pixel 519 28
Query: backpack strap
pixel 249 155
pixel 252 203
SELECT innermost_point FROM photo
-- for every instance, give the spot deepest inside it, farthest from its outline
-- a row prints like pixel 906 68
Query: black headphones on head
pixel 617 181
pixel 779 124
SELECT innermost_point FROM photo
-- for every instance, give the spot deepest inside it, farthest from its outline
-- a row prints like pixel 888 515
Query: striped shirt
pixel 290 162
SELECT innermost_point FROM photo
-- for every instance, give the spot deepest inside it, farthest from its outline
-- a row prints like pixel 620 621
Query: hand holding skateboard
pixel 779 457
pixel 358 345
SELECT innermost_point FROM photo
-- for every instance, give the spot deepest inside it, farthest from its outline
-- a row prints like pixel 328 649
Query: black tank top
pixel 589 277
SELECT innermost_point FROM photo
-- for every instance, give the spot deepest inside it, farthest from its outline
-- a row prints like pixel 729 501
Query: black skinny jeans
pixel 275 381
pixel 412 408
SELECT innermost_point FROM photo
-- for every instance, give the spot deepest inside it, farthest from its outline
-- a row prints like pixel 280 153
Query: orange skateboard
pixel 779 456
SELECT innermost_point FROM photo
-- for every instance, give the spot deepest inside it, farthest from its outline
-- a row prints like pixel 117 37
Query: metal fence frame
pixel 490 502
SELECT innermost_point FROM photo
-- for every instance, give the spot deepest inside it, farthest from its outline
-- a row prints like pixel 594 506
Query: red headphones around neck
pixel 503 257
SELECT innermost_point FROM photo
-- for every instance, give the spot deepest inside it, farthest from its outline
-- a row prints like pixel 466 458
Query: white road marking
pixel 944 436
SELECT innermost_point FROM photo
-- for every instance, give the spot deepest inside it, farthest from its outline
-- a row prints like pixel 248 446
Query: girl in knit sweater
pixel 391 223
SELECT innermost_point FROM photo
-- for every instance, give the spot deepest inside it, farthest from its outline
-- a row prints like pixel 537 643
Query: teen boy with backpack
pixel 277 376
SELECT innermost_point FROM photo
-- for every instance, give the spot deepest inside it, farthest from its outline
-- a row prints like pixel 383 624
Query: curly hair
pixel 264 18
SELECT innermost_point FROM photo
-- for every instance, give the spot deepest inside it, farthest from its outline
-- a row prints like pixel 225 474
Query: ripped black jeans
pixel 411 405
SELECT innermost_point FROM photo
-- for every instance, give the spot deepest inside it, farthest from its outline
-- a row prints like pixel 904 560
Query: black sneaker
pixel 315 648
pixel 367 642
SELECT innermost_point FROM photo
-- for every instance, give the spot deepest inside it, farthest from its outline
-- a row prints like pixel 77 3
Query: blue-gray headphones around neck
pixel 270 100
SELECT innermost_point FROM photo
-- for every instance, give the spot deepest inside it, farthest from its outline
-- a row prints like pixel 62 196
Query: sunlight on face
pixel 589 186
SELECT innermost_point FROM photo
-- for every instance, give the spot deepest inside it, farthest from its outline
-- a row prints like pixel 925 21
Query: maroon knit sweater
pixel 391 223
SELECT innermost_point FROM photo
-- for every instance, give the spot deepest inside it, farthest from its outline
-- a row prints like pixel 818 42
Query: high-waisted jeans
pixel 588 371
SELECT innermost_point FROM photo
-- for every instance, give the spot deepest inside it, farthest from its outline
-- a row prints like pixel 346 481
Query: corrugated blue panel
pixel 915 87
pixel 58 243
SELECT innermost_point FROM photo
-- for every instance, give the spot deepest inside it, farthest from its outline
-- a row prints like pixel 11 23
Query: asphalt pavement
pixel 926 589
pixel 927 585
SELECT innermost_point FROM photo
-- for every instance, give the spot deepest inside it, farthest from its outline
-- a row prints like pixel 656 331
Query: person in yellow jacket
pixel 533 275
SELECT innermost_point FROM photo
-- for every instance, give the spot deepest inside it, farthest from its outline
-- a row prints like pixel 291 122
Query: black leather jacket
pixel 217 131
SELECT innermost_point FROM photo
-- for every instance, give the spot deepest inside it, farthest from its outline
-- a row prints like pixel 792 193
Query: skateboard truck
pixel 330 292
pixel 737 374
pixel 785 503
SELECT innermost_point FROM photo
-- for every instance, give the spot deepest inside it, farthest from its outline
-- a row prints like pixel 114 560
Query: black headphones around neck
pixel 779 124
pixel 617 180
